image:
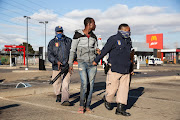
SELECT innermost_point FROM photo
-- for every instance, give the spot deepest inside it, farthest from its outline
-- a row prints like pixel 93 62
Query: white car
pixel 155 61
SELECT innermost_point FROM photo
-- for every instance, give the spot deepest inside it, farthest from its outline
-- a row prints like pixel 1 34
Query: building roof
pixel 141 47
pixel 170 50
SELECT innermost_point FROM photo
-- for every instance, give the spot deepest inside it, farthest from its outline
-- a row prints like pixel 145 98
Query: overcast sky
pixel 143 16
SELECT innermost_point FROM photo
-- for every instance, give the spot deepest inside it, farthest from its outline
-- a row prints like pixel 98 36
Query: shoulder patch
pixel 118 42
pixel 57 44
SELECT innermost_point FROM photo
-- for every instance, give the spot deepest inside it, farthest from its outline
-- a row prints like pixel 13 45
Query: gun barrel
pixel 59 74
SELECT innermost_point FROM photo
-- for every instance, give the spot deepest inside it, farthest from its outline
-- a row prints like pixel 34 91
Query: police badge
pixel 118 42
pixel 57 44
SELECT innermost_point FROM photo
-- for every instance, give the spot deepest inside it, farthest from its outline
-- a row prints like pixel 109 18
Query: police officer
pixel 58 55
pixel 117 82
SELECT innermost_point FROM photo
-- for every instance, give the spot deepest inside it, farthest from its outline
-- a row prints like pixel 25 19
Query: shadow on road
pixel 134 95
pixel 2 80
pixel 76 96
pixel 97 87
pixel 8 106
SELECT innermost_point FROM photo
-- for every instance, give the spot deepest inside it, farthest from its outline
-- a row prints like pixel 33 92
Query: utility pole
pixel 10 60
pixel 27 43
pixel 45 22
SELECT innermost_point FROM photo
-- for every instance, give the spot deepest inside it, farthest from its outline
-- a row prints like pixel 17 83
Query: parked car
pixel 155 61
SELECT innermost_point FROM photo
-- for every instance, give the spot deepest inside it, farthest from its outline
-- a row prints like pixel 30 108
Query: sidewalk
pixel 34 75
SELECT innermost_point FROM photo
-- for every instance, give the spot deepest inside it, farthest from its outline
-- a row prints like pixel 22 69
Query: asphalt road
pixel 100 77
pixel 147 101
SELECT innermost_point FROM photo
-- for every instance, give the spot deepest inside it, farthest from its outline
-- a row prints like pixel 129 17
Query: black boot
pixel 58 98
pixel 121 110
pixel 66 103
pixel 107 104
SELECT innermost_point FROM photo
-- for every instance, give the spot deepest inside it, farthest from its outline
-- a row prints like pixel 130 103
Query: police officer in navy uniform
pixel 117 82
pixel 58 55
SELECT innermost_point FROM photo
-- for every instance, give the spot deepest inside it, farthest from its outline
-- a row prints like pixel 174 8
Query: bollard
pixel 138 64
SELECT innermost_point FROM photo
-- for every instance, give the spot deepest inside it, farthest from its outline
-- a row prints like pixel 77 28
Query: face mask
pixel 59 36
pixel 125 34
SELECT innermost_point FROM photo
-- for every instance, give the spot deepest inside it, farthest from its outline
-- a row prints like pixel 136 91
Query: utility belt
pixel 64 66
pixel 107 67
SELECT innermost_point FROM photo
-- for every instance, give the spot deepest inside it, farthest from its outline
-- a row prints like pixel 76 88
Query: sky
pixel 143 16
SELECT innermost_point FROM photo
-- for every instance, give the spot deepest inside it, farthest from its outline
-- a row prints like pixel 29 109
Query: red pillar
pixel 162 56
pixel 24 54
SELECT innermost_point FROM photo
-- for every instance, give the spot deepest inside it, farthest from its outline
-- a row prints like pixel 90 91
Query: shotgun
pixel 59 74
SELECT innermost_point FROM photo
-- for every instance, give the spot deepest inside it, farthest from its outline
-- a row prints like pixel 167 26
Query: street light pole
pixel 27 43
pixel 45 22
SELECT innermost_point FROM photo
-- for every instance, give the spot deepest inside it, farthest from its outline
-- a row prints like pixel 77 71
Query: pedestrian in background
pixel 146 62
pixel 85 44
pixel 58 55
pixel 117 82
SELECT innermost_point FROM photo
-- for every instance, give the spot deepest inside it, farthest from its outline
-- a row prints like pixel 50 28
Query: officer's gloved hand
pixel 59 65
pixel 70 70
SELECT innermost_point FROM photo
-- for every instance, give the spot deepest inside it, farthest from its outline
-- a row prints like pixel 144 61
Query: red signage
pixel 155 41
pixel 99 37
pixel 7 50
pixel 14 47
pixel 19 50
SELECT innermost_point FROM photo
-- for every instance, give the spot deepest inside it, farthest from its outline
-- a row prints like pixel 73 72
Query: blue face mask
pixel 125 34
pixel 59 36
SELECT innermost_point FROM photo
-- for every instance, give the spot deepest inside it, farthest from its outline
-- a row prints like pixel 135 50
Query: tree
pixel 30 49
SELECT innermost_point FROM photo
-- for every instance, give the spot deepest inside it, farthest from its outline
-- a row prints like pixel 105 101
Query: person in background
pixel 146 62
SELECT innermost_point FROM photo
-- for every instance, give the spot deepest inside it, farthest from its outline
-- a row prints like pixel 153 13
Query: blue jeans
pixel 87 73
